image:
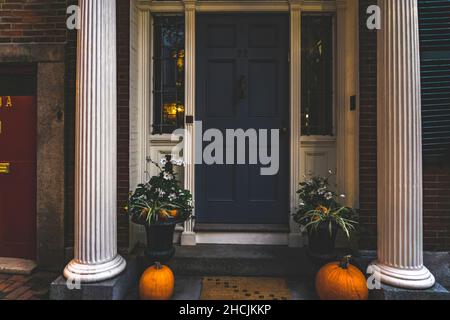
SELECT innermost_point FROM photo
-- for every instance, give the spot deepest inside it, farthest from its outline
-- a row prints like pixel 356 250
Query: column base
pixel 402 278
pixel 89 273
pixel 117 288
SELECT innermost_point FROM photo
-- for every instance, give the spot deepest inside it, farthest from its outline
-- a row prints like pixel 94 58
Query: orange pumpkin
pixel 165 214
pixel 341 281
pixel 173 213
pixel 157 283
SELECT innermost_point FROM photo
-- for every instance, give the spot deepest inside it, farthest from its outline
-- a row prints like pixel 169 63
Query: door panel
pixel 225 191
pixel 263 88
pixel 227 39
pixel 267 194
pixel 18 151
pixel 220 92
pixel 242 83
pixel 263 35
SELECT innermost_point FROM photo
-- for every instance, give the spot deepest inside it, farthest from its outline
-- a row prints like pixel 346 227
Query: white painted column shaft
pixel 96 257
pixel 400 207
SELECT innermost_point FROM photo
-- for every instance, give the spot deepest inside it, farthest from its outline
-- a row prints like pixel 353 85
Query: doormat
pixel 244 288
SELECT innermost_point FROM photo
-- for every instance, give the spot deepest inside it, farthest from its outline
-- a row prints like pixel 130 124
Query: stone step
pixel 242 260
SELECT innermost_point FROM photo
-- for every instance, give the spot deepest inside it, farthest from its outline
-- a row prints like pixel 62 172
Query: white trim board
pixel 236 6
pixel 254 238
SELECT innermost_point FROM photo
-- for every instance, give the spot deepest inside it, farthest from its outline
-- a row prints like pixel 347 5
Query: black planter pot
pixel 159 240
pixel 321 242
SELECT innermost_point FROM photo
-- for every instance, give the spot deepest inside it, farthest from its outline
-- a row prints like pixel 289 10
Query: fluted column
pixel 400 251
pixel 96 257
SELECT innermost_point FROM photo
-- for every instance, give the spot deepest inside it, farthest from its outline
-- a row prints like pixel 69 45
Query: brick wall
pixel 436 198
pixel 436 178
pixel 123 116
pixel 368 130
pixel 71 58
pixel 25 21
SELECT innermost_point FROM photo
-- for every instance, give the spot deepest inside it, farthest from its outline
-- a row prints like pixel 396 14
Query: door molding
pixel 235 6
pixel 347 121
pixel 50 192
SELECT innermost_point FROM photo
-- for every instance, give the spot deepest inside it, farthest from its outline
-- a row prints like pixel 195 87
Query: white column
pixel 295 237
pixel 188 237
pixel 96 257
pixel 400 252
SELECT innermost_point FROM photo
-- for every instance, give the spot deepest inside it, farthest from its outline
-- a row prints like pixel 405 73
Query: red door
pixel 17 165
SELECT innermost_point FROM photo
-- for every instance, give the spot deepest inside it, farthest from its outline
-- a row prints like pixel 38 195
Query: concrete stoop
pixel 438 292
pixel 191 264
pixel 437 262
pixel 242 260
pixel 113 289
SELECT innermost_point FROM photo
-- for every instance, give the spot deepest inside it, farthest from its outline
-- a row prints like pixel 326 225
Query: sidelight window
pixel 317 75
pixel 168 74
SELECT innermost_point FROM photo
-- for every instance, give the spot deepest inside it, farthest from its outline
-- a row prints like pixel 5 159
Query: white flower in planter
pixel 328 196
pixel 168 176
pixel 161 193
pixel 172 196
pixel 178 162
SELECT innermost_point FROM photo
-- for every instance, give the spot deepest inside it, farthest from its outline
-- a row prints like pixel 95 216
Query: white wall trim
pixel 356 81
pixel 253 238
pixel 145 84
pixel 347 86
pixel 237 6
pixel 188 237
pixel 140 104
pixel 295 237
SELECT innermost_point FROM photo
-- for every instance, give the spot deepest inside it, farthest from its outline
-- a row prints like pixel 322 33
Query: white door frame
pixel 347 86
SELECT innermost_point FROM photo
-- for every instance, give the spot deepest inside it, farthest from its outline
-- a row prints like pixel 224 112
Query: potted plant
pixel 321 214
pixel 159 205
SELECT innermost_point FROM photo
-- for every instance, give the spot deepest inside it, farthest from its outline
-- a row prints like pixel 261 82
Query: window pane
pixel 168 74
pixel 317 75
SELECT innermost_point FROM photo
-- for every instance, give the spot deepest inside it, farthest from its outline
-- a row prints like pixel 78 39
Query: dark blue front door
pixel 242 83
